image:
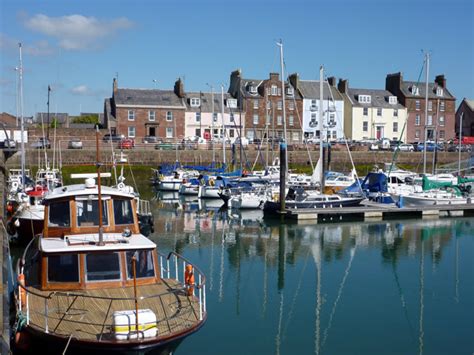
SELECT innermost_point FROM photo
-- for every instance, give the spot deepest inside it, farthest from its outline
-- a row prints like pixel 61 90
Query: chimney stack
pixel 343 86
pixel 332 81
pixel 274 76
pixel 114 86
pixel 179 88
pixel 441 81
pixel 294 80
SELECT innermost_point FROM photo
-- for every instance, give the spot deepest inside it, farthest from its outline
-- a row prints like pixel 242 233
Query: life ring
pixel 189 280
pixel 15 185
pixel 121 186
pixel 21 290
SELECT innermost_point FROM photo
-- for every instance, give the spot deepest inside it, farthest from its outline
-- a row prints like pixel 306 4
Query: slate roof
pixel 248 82
pixel 206 102
pixel 470 104
pixel 407 85
pixel 379 98
pixel 61 117
pixel 309 89
pixel 148 97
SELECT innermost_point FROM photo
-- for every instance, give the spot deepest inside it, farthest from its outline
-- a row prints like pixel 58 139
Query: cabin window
pixel 87 212
pixel 103 267
pixel 144 264
pixel 123 213
pixel 63 268
pixel 59 214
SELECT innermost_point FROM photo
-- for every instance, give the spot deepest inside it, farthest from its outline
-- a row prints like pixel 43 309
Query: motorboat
pixel 92 283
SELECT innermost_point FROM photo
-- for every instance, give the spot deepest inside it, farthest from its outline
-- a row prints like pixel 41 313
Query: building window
pixel 291 120
pixel 417 133
pixel 255 104
pixel 169 116
pixel 195 102
pixel 151 115
pixel 442 134
pixel 366 99
pixel 268 120
pixel 214 116
pixel 250 135
pixel 231 117
pixel 430 120
pixel 441 106
pixel 290 91
pixel 291 105
pixel 415 90
pixel 392 100
pixel 232 103
pixel 417 105
pixel 295 136
pixel 198 116
pixel 430 105
pixel 314 106
pixel 131 131
pixel 366 111
pixel 169 132
pixel 279 120
pixel 379 111
pixel 279 91
pixel 417 120
pixel 280 105
pixel 255 119
pixel 231 133
pixel 198 132
pixel 441 121
pixel 274 90
pixel 131 115
pixel 395 127
pixel 365 126
pixel 334 134
pixel 395 113
pixel 439 91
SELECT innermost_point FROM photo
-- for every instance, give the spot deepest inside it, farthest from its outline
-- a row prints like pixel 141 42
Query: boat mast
pixel 427 56
pixel 280 44
pixel 460 145
pixel 321 115
pixel 223 126
pixel 22 121
pixel 99 190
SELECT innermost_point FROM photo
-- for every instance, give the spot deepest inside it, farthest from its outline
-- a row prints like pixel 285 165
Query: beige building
pixel 372 114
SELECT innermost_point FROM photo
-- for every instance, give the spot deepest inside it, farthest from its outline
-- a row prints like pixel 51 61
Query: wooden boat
pixel 88 277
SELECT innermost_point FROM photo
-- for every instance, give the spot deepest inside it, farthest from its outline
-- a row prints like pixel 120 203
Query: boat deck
pixel 88 314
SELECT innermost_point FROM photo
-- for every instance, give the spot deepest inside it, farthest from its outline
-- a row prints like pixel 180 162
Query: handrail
pixel 188 262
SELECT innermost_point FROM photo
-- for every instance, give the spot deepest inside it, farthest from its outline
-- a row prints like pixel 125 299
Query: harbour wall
pixel 148 156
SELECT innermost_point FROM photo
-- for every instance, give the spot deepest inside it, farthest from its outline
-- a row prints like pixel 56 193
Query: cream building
pixel 372 114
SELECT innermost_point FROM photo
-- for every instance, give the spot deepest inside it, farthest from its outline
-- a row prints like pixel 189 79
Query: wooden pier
pixel 378 211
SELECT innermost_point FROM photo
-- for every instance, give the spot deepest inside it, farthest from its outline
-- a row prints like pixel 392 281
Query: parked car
pixel 151 139
pixel 430 146
pixel 191 139
pixel 126 143
pixel 455 148
pixel 74 143
pixel 9 143
pixel 41 143
pixel 404 147
pixel 112 137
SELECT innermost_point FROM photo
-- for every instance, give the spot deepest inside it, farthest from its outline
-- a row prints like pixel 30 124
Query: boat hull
pixel 431 201
pixel 274 206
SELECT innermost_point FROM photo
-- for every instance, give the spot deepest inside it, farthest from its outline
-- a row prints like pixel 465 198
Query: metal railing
pixel 104 305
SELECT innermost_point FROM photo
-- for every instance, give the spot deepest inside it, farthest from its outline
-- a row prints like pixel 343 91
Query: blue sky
pixel 78 47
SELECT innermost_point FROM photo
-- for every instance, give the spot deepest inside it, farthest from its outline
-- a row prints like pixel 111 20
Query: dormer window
pixel 252 89
pixel 439 91
pixel 314 106
pixel 231 103
pixel 365 99
pixel 274 90
pixel 392 100
pixel 290 91
pixel 195 102
pixel 415 90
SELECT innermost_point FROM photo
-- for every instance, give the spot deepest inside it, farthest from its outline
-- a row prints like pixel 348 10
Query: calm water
pixel 398 287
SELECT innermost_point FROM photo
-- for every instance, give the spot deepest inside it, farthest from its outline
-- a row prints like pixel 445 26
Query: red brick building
pixel 262 103
pixel 441 107
pixel 137 113
pixel 466 108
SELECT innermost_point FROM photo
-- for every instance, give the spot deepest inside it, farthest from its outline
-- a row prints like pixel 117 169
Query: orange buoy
pixel 22 291
pixel 189 279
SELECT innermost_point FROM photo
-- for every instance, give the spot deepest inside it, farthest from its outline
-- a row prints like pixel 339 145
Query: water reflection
pixel 328 288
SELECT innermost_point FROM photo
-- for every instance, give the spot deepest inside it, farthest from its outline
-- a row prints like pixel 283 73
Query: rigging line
pixel 295 296
pixel 300 121
pixel 345 139
pixel 339 294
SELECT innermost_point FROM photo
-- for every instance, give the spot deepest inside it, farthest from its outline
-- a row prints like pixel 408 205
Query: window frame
pixel 169 116
pixel 119 257
pixel 151 115
pixel 131 115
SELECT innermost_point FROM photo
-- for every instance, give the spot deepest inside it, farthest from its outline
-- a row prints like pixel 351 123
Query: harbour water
pixel 389 287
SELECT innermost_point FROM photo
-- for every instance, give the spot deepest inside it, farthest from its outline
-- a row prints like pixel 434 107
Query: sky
pixel 78 47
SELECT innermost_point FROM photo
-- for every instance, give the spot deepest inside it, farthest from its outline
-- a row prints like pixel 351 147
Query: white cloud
pixel 81 90
pixel 77 32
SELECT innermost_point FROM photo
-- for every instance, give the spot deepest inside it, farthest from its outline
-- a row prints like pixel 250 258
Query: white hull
pixel 170 185
pixel 209 192
pixel 34 212
pixel 247 201
pixel 189 190
pixel 413 200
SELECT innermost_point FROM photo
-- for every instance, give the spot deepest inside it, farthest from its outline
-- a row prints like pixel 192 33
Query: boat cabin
pixel 73 255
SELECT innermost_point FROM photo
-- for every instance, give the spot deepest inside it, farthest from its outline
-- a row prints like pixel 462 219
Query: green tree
pixel 86 119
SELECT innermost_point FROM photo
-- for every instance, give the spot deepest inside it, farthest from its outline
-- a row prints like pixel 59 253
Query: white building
pixel 203 116
pixel 333 108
